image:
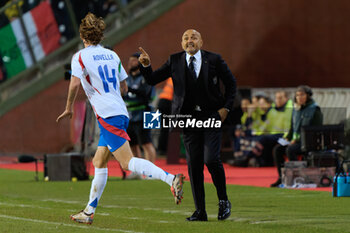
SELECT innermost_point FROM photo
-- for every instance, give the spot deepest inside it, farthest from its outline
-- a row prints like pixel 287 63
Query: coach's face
pixel 191 41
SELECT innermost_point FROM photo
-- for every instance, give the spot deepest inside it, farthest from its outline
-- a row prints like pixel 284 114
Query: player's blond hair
pixel 91 29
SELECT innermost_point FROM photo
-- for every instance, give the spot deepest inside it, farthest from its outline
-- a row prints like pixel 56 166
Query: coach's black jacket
pixel 213 70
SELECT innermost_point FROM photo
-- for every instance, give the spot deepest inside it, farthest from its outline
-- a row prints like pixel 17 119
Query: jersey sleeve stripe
pixel 81 62
pixel 87 76
pixel 89 81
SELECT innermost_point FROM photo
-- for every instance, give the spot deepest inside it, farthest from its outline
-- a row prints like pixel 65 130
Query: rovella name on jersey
pixel 103 57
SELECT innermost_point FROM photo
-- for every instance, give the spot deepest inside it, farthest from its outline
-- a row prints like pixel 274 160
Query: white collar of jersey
pixel 93 46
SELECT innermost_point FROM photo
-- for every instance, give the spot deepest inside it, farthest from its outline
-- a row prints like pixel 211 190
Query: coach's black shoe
pixel 198 215
pixel 276 184
pixel 224 209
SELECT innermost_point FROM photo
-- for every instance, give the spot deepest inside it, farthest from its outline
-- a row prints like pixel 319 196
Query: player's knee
pixel 99 163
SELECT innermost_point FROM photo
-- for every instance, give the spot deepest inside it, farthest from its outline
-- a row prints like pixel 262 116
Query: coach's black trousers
pixel 203 147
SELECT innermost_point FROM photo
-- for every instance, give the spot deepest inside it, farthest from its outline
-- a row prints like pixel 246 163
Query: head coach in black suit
pixel 197 75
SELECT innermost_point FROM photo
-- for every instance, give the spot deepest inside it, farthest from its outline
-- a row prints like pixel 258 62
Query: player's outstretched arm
pixel 72 94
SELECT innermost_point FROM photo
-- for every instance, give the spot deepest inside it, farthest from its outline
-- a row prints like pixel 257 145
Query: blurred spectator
pixel 276 125
pixel 29 4
pixel 253 122
pixel 245 134
pixel 263 127
pixel 100 8
pixel 164 106
pixel 283 108
pixel 243 144
pixel 245 105
pixel 265 123
pixel 108 6
pixel 137 101
pixel 63 20
pixel 240 130
pixel 305 112
pixel 13 10
pixel 272 121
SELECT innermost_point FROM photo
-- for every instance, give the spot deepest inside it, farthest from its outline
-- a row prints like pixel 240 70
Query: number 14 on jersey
pixel 104 75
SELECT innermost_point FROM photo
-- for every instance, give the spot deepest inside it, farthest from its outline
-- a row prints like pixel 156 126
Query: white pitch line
pixel 263 222
pixel 149 209
pixel 156 221
pixel 64 224
pixel 103 214
pixel 23 206
pixel 126 207
pixel 99 213
pixel 61 201
pixel 309 220
pixel 186 213
pixel 236 219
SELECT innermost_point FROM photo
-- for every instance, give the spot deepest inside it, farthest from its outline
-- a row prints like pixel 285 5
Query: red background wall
pixel 266 43
pixel 31 128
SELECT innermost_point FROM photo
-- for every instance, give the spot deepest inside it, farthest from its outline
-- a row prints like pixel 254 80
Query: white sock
pixel 147 168
pixel 97 186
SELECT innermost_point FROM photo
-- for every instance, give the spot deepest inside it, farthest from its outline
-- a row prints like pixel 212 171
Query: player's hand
pixel 65 114
pixel 144 58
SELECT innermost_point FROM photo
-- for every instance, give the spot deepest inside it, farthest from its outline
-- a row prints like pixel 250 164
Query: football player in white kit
pixel 101 74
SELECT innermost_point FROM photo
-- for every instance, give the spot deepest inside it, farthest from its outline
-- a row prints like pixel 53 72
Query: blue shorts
pixel 113 131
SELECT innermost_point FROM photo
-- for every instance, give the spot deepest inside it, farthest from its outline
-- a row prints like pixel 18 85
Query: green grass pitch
pixel 148 206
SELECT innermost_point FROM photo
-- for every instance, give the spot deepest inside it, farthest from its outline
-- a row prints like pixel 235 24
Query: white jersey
pixel 100 71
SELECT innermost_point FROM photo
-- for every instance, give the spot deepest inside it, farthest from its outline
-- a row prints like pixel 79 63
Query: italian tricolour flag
pixel 43 33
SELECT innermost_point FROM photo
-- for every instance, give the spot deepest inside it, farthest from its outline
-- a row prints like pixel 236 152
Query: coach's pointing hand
pixel 144 58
